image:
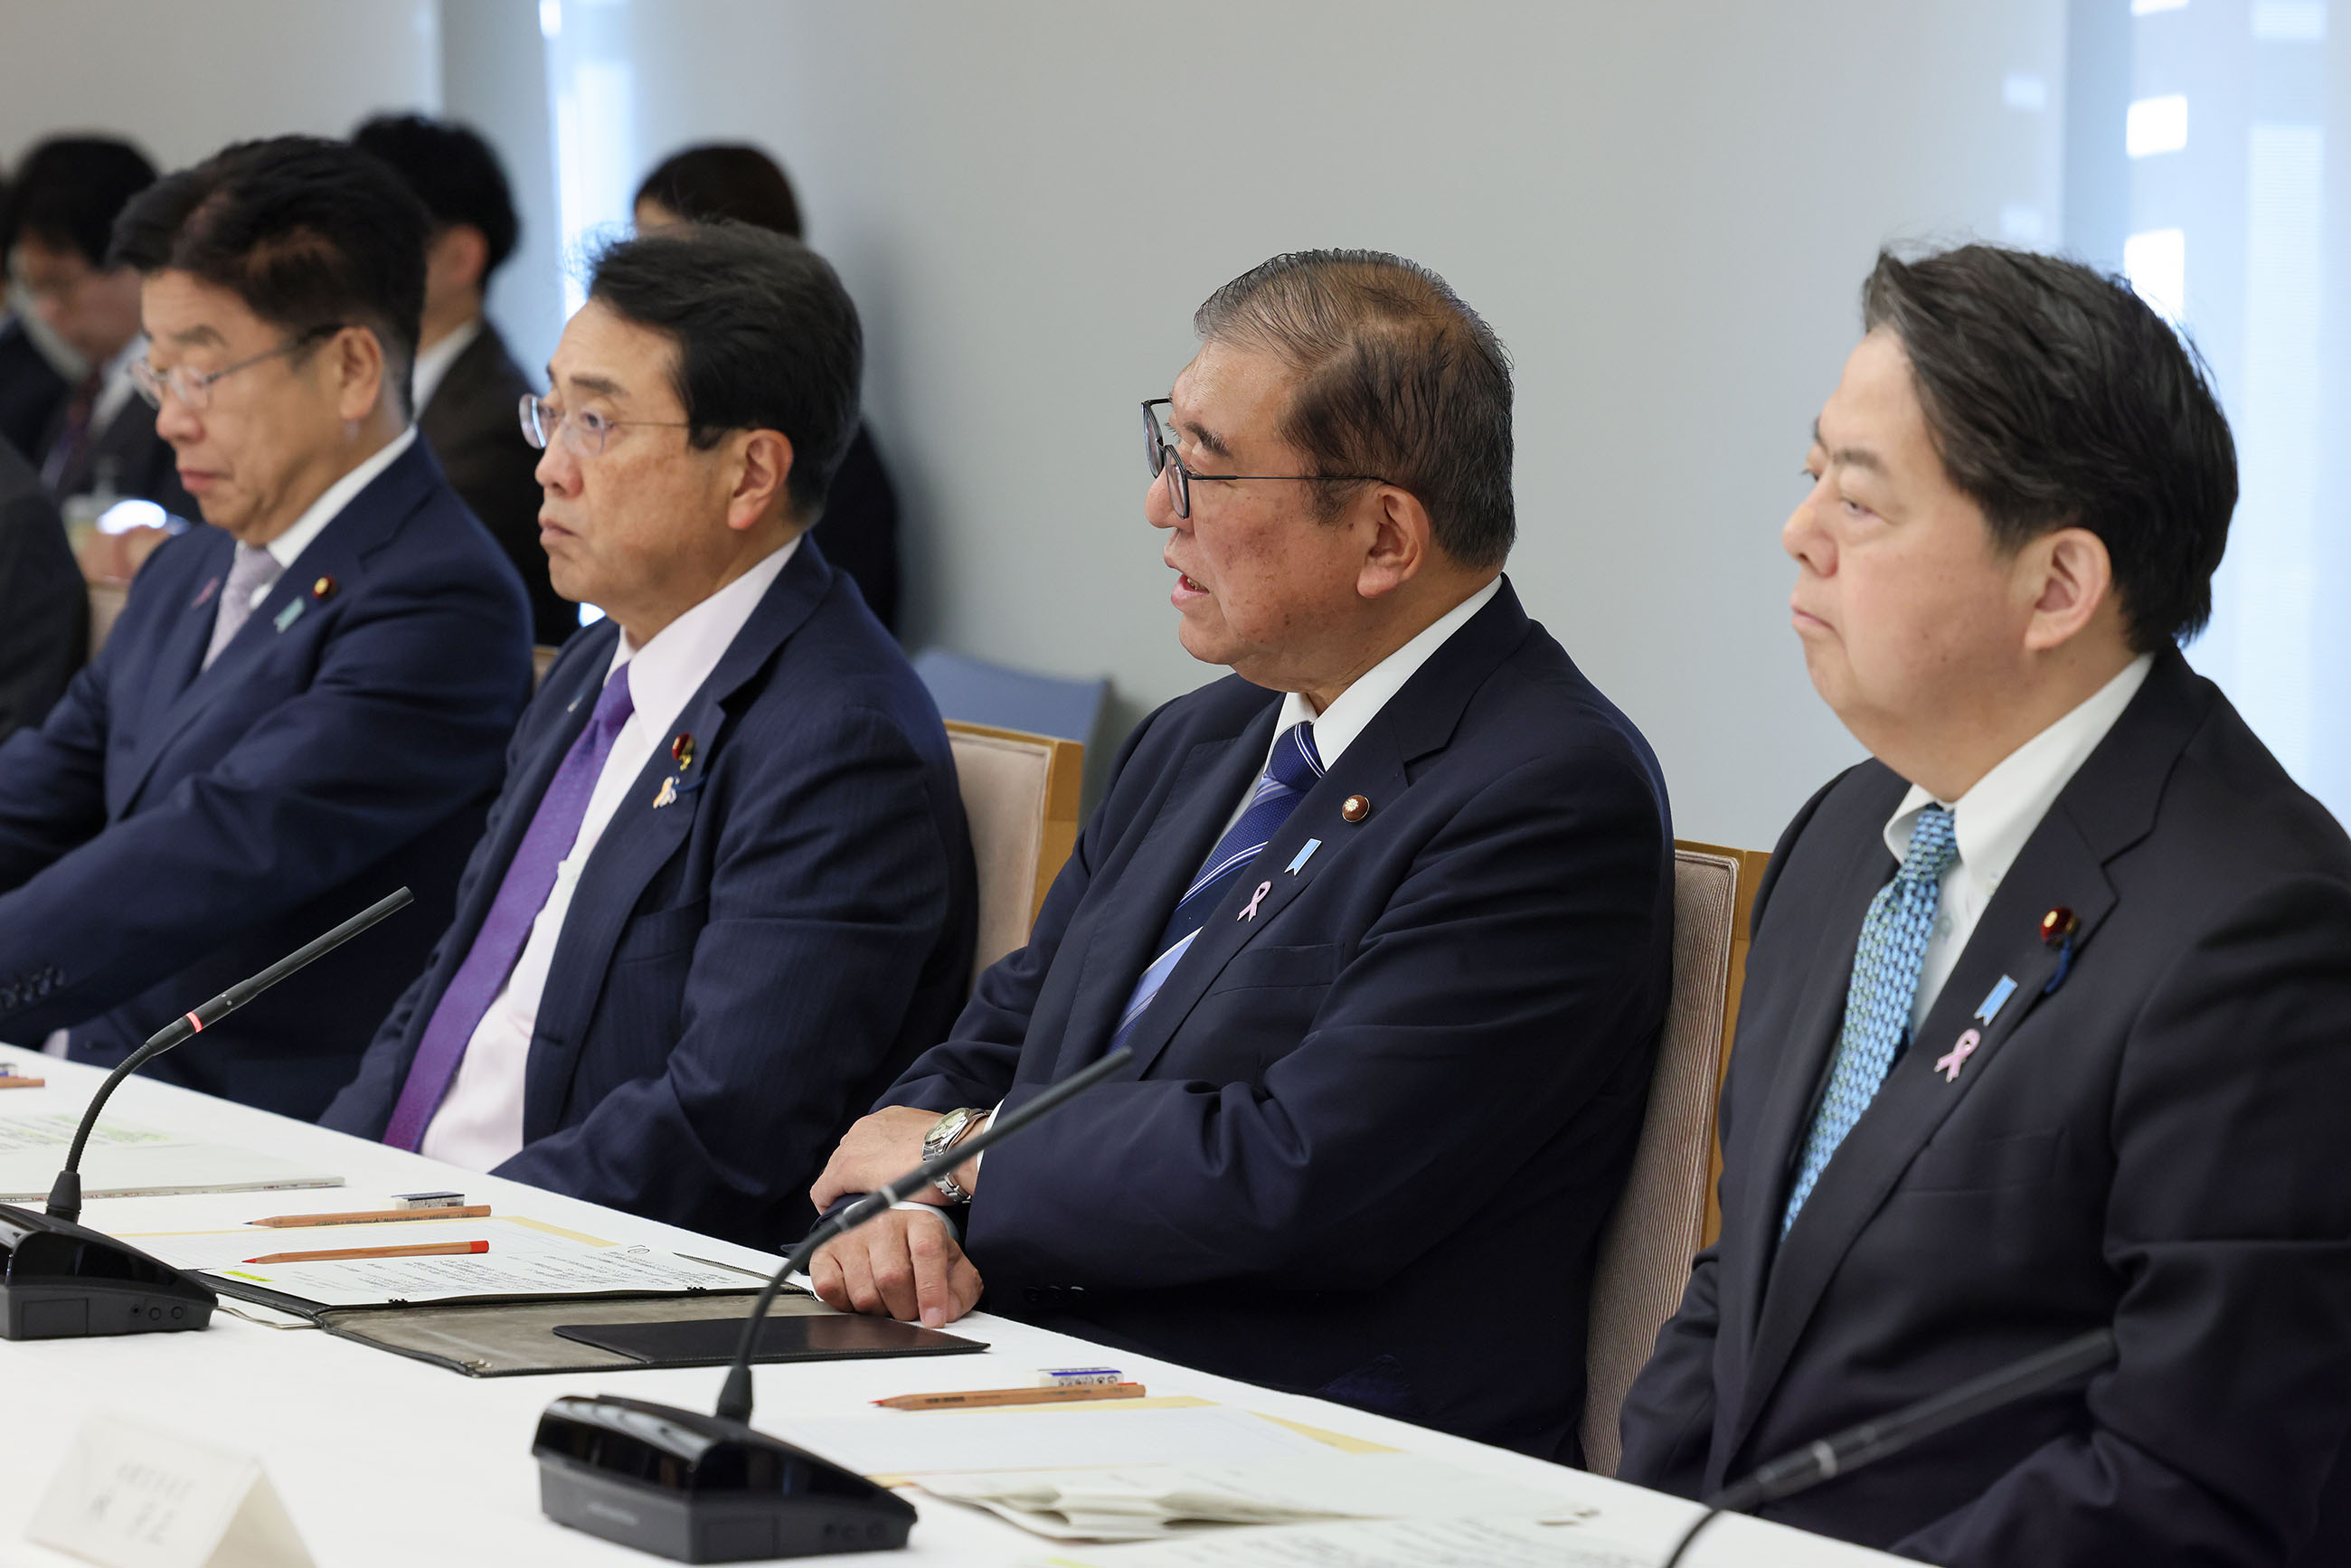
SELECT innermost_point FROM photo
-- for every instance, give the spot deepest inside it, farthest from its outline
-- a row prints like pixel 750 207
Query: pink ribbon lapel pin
pixel 1949 1065
pixel 1255 899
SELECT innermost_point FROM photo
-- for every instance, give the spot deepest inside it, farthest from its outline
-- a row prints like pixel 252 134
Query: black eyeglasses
pixel 1159 450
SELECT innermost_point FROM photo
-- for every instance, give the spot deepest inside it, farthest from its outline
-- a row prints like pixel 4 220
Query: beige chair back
pixel 1020 797
pixel 106 602
pixel 1667 1212
pixel 542 659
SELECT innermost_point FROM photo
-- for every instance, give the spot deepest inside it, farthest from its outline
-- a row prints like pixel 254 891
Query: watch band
pixel 941 1136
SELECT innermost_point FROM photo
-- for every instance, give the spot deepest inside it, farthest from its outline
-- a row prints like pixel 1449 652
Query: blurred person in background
pixel 719 183
pixel 467 384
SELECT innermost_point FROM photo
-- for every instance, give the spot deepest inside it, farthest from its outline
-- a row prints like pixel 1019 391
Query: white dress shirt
pixel 115 385
pixel 1993 820
pixel 479 1122
pixel 432 364
pixel 285 549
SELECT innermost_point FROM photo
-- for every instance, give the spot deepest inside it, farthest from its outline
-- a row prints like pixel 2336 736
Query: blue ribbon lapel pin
pixel 1305 854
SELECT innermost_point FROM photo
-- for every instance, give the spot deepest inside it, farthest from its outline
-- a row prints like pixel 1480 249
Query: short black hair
pixel 1396 376
pixel 453 172
pixel 2057 398
pixel 309 233
pixel 766 339
pixel 724 180
pixel 70 189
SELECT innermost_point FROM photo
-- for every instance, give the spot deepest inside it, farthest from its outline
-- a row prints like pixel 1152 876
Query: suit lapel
pixel 1418 721
pixel 2108 806
pixel 642 835
pixel 290 608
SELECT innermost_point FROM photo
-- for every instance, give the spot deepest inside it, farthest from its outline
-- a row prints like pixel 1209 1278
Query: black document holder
pixel 712 1341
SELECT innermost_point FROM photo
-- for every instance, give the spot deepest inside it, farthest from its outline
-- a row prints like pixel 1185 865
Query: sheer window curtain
pixel 2198 163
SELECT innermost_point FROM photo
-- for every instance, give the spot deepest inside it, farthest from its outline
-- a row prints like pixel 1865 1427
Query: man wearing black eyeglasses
pixel 305 703
pixel 1386 918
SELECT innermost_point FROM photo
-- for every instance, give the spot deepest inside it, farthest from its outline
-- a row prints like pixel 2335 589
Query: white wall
pixel 182 80
pixel 1663 208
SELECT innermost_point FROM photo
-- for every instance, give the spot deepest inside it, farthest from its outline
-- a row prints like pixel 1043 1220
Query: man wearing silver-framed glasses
pixel 306 700
pixel 728 893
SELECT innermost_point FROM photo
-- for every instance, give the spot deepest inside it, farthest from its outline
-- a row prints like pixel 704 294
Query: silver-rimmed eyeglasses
pixel 194 388
pixel 583 431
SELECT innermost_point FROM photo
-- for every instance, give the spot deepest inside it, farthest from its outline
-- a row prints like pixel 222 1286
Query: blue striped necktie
pixel 1878 999
pixel 1289 774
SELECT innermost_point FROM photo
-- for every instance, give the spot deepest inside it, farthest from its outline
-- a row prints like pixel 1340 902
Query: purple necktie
pixel 530 877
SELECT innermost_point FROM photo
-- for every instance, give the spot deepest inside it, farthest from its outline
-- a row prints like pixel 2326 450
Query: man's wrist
pixel 945 1132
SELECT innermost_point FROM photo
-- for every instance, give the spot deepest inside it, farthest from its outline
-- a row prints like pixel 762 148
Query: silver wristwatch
pixel 941 1136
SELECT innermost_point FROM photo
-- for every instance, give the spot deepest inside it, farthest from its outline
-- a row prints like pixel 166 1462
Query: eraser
pixel 428 1200
pixel 1076 1376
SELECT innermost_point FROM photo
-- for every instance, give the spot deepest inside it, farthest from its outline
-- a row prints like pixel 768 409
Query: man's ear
pixel 763 468
pixel 2071 579
pixel 1399 537
pixel 355 359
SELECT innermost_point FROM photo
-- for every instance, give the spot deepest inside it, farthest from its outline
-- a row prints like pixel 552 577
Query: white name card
pixel 130 1495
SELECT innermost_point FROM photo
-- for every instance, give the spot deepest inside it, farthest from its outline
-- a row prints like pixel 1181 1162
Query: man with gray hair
pixel 1386 917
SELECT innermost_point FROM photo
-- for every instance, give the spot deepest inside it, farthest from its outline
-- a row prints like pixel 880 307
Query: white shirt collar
pixel 667 670
pixel 432 364
pixel 1993 820
pixel 287 548
pixel 1352 710
pixel 114 383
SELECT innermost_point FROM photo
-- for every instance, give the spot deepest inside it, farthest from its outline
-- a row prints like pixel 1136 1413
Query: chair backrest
pixel 1020 798
pixel 977 692
pixel 106 602
pixel 542 659
pixel 1668 1209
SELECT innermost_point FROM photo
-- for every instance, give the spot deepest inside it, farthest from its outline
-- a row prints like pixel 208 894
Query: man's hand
pixel 902 1264
pixel 878 1150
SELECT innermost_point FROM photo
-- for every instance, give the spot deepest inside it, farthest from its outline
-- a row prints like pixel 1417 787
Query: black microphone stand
pixel 709 1489
pixel 1871 1441
pixel 59 1281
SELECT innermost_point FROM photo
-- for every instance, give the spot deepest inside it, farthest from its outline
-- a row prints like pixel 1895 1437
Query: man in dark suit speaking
pixel 2047 1020
pixel 1386 918
pixel 304 704
pixel 728 893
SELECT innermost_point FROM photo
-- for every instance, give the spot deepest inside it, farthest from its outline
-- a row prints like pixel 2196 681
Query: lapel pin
pixel 1355 808
pixel 1304 855
pixel 1949 1064
pixel 205 594
pixel 681 751
pixel 2057 928
pixel 1255 899
pixel 323 589
pixel 292 612
pixel 668 793
pixel 1995 1000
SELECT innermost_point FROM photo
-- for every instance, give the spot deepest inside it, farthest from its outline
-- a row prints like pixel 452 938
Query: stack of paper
pixel 1366 1543
pixel 1149 1502
pixel 127 1161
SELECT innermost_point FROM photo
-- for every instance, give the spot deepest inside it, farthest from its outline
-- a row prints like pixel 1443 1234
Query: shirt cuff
pixel 942 1217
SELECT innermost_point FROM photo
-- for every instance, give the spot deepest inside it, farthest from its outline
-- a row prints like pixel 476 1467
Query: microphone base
pixel 701 1489
pixel 59 1280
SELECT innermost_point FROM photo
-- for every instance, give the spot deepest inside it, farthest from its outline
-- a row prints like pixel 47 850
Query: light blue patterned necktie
pixel 1885 984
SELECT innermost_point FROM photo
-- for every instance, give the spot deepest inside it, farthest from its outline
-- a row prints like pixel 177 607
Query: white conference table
pixel 381 1460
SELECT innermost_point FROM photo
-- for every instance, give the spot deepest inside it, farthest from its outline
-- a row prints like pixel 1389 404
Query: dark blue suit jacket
pixel 166 833
pixel 2154 1146
pixel 1372 1133
pixel 741 970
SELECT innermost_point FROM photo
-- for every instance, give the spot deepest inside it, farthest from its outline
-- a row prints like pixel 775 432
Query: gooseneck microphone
pixel 708 1488
pixel 1871 1441
pixel 65 1197
pixel 59 1280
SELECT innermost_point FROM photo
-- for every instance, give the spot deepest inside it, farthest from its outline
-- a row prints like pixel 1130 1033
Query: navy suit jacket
pixel 742 968
pixel 2154 1146
pixel 168 833
pixel 1372 1132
